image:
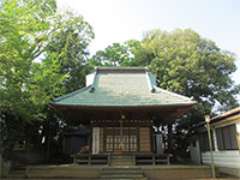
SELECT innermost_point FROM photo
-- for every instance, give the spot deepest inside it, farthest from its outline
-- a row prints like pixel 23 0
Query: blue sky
pixel 118 21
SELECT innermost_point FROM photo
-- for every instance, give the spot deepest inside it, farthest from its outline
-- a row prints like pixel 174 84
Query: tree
pixel 23 38
pixel 41 52
pixel 23 28
pixel 47 82
pixel 116 54
pixel 193 66
pixel 190 65
pixel 70 39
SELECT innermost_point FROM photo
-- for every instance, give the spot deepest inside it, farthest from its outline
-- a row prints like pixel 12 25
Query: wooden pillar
pixel 121 134
pixel 152 140
pixel 138 140
pixel 214 136
pixel 90 140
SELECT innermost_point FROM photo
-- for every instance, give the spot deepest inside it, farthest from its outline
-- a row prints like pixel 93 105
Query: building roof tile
pixel 122 87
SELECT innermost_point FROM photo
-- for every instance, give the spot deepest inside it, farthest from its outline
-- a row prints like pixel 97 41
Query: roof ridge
pixel 121 69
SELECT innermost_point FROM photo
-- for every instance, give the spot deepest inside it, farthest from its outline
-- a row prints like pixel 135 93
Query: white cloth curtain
pixel 96 140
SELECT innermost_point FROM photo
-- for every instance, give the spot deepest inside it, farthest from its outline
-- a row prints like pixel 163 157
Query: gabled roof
pixel 122 87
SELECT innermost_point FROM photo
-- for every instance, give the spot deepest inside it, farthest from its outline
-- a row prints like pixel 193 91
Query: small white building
pixel 225 130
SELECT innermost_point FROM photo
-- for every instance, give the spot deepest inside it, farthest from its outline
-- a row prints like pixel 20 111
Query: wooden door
pixel 120 142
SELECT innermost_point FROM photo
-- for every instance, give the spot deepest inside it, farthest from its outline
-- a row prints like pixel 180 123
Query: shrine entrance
pixel 120 106
pixel 121 139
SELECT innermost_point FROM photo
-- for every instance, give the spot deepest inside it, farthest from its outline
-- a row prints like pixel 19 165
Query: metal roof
pixel 122 87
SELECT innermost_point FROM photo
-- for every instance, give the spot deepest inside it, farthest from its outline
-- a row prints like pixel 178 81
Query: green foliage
pixel 190 65
pixel 23 29
pixel 70 39
pixel 42 55
pixel 114 55
pixel 46 82
pixel 193 66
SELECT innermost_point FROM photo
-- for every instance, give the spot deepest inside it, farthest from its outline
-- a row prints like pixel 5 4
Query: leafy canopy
pixel 114 55
pixel 193 66
pixel 70 39
pixel 42 55
pixel 23 31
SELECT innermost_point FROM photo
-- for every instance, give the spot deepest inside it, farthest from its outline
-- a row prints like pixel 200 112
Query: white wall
pixel 228 161
pixel 225 160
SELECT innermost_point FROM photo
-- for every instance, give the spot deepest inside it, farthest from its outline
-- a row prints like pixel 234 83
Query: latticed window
pixel 109 143
pixel 116 140
pixel 133 144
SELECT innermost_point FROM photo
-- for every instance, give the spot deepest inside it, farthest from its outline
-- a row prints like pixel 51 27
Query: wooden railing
pixel 152 159
pixel 91 159
pixel 105 159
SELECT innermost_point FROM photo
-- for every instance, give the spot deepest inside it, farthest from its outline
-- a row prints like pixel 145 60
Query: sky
pixel 121 20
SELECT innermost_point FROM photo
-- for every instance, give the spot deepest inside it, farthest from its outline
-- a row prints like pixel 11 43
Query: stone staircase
pixel 122 160
pixel 122 173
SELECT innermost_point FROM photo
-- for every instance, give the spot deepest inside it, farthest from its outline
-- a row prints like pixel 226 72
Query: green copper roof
pixel 122 87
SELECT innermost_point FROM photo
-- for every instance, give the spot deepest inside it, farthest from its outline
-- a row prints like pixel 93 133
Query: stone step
pixel 122 160
pixel 110 178
pixel 121 157
pixel 122 169
pixel 124 177
pixel 124 173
